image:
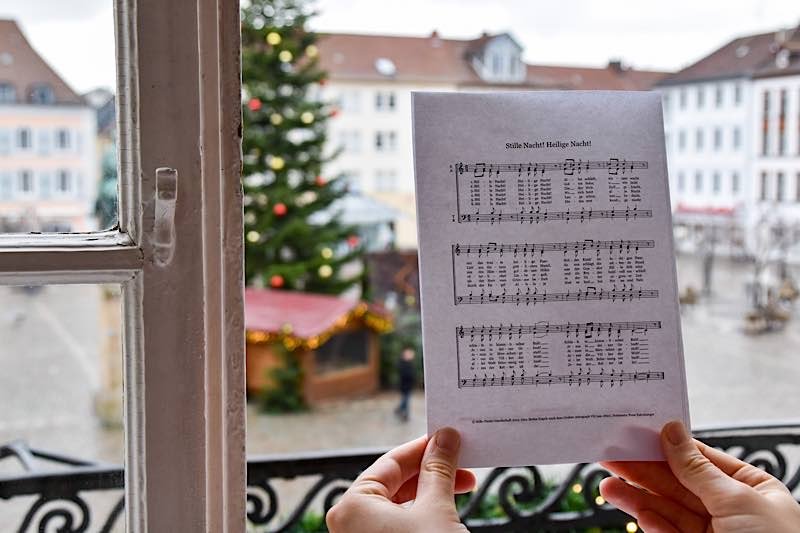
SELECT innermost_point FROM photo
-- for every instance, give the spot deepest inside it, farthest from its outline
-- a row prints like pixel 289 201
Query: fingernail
pixel 676 432
pixel 447 440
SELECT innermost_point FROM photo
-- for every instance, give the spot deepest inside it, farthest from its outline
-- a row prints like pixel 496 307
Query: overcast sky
pixel 77 38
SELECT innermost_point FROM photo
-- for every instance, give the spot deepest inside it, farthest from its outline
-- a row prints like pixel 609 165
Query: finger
pixel 437 473
pixel 386 475
pixel 656 476
pixel 651 522
pixel 465 482
pixel 694 470
pixel 638 503
pixel 734 467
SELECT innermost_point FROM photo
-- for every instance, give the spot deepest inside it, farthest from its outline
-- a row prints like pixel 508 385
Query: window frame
pixel 178 106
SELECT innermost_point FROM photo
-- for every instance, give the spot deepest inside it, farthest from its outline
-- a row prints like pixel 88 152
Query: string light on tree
pixel 253 236
pixel 285 56
pixel 273 38
pixel 631 527
pixel 325 271
pixel 312 51
pixel 326 253
pixel 276 163
pixel 307 117
pixel 276 119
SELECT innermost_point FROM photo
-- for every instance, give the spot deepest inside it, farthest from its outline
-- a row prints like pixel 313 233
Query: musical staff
pixel 575 246
pixel 560 379
pixel 568 166
pixel 538 215
pixel 545 328
pixel 591 293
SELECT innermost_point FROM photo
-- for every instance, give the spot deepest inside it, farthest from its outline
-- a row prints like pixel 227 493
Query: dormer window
pixel 8 93
pixel 497 59
pixel 42 93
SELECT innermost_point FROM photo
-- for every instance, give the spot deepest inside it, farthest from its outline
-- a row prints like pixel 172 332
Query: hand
pixel 423 470
pixel 700 489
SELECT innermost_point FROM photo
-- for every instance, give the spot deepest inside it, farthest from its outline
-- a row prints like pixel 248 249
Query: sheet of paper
pixel 549 305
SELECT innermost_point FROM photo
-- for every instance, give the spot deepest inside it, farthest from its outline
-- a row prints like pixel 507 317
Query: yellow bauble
pixel 276 118
pixel 311 50
pixel 327 253
pixel 276 163
pixel 307 117
pixel 253 236
pixel 285 56
pixel 273 38
pixel 325 271
pixel 286 329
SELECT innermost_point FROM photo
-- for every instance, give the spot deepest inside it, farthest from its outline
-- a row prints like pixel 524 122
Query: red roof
pixel 347 56
pixel 308 314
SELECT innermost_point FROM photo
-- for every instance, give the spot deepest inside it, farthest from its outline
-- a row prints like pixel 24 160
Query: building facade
pixel 371 78
pixel 48 163
pixel 730 121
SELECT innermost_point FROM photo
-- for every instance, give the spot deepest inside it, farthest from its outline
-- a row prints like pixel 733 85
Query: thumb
pixel 437 473
pixel 693 469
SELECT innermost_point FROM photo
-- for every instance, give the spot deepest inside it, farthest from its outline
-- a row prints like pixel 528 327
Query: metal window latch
pixel 163 239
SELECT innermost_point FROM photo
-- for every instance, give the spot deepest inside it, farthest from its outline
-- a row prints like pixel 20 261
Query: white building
pixel 371 78
pixel 714 120
pixel 48 164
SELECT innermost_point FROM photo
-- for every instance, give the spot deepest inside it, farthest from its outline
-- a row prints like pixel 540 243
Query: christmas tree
pixel 284 157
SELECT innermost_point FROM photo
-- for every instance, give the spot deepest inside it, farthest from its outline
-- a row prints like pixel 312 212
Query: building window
pixel 63 181
pixel 350 101
pixel 765 124
pixel 25 182
pixel 717 138
pixel 735 183
pixel 698 139
pixel 737 94
pixel 782 123
pixel 385 141
pixel 5 141
pixel 682 98
pixel 497 64
pixel 763 193
pixel 353 180
pixel 350 141
pixel 698 181
pixel 718 95
pixel 797 187
pixel 681 182
pixel 701 97
pixel 737 138
pixel 385 181
pixel 42 93
pixel 385 101
pixel 716 183
pixel 779 187
pixel 682 140
pixel 8 93
pixel 6 186
pixel 665 102
pixel 62 139
pixel 24 138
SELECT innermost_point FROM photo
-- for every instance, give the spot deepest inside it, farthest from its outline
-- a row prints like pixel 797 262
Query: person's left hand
pixel 424 470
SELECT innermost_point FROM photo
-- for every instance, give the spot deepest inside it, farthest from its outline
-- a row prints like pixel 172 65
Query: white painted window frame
pixel 178 107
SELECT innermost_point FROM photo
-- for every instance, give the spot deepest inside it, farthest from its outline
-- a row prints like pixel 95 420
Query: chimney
pixel 436 42
pixel 615 65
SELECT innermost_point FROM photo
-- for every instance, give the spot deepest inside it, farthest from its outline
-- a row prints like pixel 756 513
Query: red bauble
pixel 320 181
pixel 334 113
pixel 353 241
pixel 323 82
pixel 279 209
pixel 276 281
pixel 254 104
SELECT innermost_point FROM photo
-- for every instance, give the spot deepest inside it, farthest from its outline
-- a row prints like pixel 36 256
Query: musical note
pixel 574 246
pixel 547 378
pixel 552 216
pixel 568 167
pixel 571 296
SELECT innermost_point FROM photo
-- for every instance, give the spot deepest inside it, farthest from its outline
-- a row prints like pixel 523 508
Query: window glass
pixel 61 81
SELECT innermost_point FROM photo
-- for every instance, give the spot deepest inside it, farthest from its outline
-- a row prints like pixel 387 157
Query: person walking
pixel 407 374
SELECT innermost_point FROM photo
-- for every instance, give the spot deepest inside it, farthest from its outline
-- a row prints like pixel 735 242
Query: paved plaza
pixel 50 349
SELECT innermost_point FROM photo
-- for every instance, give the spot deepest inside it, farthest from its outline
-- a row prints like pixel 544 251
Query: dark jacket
pixel 407 374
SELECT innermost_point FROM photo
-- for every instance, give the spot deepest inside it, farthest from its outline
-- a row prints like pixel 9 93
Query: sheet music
pixel 550 317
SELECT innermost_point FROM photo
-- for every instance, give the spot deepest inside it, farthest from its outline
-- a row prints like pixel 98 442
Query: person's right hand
pixel 699 489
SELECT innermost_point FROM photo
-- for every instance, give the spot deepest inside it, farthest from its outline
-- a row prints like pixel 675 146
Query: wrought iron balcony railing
pixel 292 493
